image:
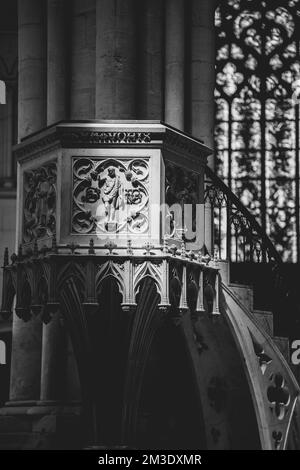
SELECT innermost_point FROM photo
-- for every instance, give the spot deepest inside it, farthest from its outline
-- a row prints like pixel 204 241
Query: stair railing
pixel 237 236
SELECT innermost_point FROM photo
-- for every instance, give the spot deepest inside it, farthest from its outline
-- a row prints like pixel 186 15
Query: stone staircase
pixel 245 294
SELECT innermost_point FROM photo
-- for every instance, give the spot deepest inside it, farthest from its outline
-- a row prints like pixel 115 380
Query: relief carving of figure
pixel 39 202
pixel 110 196
pixel 111 186
pixel 44 195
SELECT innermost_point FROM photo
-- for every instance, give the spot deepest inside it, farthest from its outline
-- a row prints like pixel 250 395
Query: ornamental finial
pixel 183 248
pixel 129 247
pixel 216 257
pixel 54 244
pixel 165 245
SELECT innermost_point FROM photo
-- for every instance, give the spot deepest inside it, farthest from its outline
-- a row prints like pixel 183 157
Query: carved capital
pixel 23 313
pixel 49 310
pixel 129 308
pixel 36 309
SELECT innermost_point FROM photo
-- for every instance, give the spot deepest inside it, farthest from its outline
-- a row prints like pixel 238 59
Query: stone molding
pixel 106 135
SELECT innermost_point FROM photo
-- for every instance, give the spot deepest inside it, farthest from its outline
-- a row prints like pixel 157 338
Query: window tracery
pixel 257 112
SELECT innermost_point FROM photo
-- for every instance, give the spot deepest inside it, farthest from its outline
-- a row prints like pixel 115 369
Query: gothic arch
pixel 209 371
pixel 147 319
pixel 170 411
pixel 73 314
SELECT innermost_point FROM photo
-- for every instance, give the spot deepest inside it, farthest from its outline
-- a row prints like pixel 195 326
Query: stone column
pixel 203 71
pixel 25 360
pixel 174 63
pixel 6 140
pixel 202 112
pixel 73 387
pixel 116 60
pixel 150 59
pixel 57 61
pixel 53 371
pixel 32 67
pixel 83 59
pixel 26 341
pixel 27 337
pixel 54 341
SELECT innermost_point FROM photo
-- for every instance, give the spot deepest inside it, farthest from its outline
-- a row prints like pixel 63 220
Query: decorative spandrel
pixel 110 196
pixel 39 218
pixel 257 112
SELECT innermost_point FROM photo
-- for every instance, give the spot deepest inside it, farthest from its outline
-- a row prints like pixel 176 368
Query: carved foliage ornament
pixel 110 196
pixel 39 217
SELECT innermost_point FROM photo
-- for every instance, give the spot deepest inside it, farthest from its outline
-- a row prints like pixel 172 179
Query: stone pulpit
pixel 120 327
pixel 102 228
pixel 106 181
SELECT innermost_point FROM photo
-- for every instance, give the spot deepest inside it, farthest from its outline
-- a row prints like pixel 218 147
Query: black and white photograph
pixel 149 230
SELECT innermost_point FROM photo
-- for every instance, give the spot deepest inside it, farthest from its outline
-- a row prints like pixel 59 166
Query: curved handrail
pixel 245 212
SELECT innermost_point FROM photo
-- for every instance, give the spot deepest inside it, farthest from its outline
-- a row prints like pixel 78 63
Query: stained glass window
pixel 257 112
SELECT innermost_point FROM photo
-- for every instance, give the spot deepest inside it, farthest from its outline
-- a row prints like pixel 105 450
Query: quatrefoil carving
pixel 278 395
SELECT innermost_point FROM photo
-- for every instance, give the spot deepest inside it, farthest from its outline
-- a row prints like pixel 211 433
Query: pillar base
pixel 40 426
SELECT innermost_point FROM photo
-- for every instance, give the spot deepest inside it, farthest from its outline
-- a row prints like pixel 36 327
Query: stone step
pixel 283 346
pixel 265 320
pixel 244 294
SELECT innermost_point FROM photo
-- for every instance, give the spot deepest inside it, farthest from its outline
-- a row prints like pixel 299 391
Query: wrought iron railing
pixel 237 235
pixel 238 238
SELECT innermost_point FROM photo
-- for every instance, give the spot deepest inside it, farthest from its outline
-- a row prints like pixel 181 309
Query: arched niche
pixel 169 414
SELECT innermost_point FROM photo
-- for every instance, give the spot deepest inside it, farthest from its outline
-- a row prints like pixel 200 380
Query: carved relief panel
pixel 110 196
pixel 39 206
pixel 182 187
